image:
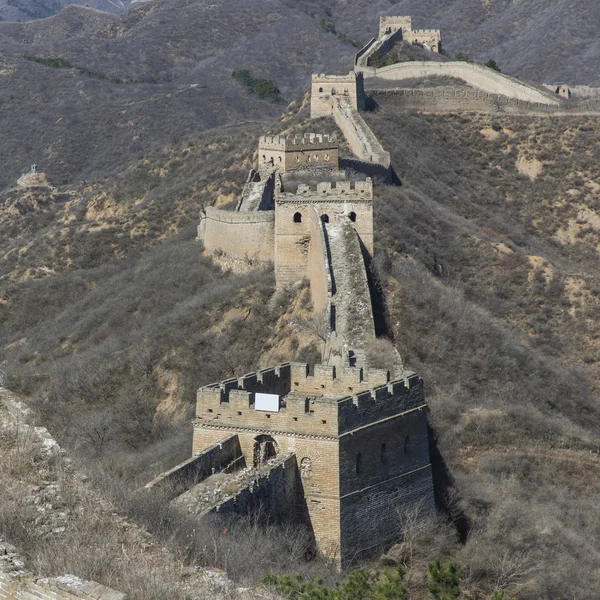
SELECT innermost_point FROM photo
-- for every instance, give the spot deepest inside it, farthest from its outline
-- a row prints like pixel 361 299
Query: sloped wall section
pixel 480 77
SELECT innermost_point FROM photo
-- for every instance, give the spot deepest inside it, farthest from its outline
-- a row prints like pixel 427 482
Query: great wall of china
pixel 340 446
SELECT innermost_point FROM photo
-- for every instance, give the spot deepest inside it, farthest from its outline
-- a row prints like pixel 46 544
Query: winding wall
pixel 362 141
pixel 475 75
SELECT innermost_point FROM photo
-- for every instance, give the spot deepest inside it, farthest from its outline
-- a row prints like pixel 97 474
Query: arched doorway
pixel 265 448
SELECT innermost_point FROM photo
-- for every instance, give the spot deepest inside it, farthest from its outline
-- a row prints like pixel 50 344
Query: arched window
pixel 383 453
pixel 333 92
pixel 320 90
pixel 264 158
pixel 407 445
pixel 297 218
pixel 280 159
pixel 305 467
pixel 327 157
pixel 353 217
pixel 316 157
pixel 359 465
pixel 325 218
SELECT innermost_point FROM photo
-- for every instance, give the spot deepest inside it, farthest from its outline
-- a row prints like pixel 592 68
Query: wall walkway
pixel 362 141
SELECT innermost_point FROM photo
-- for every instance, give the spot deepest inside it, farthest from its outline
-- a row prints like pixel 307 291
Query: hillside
pixel 490 248
pixel 488 253
pixel 145 79
pixel 111 315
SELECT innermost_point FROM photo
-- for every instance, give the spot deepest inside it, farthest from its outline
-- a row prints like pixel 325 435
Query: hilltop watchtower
pixel 293 153
pixel 360 441
pixel 401 28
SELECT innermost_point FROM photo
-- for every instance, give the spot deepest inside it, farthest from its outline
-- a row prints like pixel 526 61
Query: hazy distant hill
pixel 151 75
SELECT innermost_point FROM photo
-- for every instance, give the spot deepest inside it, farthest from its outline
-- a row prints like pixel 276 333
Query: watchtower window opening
pixel 359 465
pixel 407 445
pixel 320 90
pixel 333 92
pixel 383 453
pixel 297 218
pixel 265 448
pixel 327 157
pixel 264 158
pixel 353 217
pixel 325 218
pixel 280 159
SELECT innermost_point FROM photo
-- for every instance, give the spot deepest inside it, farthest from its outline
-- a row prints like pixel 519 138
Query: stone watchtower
pixel 294 153
pixel 400 27
pixel 326 88
pixel 297 228
pixel 360 441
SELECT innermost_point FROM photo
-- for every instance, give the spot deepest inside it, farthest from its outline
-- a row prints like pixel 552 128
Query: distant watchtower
pixel 400 27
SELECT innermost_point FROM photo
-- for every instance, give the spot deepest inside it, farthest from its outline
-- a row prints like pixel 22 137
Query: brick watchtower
pixel 360 440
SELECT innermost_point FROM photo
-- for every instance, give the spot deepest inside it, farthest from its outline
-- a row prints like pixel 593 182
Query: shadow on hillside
pixel 444 490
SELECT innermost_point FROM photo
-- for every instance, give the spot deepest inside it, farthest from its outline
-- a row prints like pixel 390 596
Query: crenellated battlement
pixel 347 191
pixel 297 152
pixel 293 143
pixel 324 401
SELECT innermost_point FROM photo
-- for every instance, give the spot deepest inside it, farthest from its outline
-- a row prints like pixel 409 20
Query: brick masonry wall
pixel 362 141
pixel 318 264
pixel 293 240
pixel 241 235
pixel 385 472
pixel 274 495
pixel 317 459
pixel 461 99
pixel 326 88
pixel 213 459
